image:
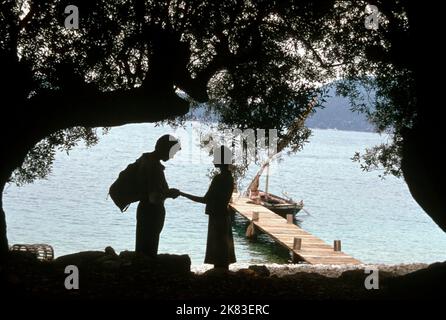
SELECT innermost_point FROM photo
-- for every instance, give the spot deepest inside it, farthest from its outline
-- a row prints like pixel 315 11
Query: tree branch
pixel 318 57
pixel 92 108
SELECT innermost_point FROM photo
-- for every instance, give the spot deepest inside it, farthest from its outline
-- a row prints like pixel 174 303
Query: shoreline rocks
pixel 331 271
pixel 109 261
pixel 129 275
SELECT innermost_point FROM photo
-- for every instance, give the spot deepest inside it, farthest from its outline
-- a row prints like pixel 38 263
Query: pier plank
pixel 313 250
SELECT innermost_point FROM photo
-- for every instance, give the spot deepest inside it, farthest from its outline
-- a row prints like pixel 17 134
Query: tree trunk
pixel 423 172
pixel 13 154
pixel 423 162
pixel 3 238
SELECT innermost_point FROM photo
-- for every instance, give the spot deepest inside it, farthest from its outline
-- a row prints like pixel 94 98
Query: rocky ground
pixel 106 275
pixel 331 271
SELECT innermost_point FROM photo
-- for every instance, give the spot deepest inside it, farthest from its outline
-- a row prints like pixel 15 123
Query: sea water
pixel 376 219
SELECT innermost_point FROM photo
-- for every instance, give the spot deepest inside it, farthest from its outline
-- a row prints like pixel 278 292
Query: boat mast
pixel 267 173
pixel 267 179
pixel 298 123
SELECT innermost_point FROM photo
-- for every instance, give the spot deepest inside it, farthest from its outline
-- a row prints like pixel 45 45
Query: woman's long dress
pixel 220 243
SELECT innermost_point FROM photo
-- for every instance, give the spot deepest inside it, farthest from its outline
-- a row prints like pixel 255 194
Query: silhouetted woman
pixel 220 243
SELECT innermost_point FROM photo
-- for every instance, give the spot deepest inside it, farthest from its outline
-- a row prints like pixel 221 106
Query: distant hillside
pixel 337 115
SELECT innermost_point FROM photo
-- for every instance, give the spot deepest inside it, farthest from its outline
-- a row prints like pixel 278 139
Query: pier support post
pixel 297 245
pixel 290 218
pixel 337 245
pixel 251 233
pixel 251 230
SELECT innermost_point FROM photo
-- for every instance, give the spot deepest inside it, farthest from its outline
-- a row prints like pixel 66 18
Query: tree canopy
pixel 256 63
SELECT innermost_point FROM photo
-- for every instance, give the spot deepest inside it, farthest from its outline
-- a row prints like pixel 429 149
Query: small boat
pixel 280 205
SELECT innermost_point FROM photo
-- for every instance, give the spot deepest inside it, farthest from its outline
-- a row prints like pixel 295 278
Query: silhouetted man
pixel 151 213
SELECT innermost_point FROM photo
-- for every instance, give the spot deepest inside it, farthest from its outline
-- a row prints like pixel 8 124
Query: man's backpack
pixel 129 187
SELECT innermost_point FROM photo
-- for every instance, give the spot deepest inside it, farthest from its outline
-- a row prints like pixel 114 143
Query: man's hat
pixel 166 141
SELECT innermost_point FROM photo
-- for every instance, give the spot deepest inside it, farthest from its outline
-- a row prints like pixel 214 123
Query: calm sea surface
pixel 377 220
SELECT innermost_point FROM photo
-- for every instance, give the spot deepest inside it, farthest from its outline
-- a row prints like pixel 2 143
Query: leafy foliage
pixel 39 160
pixel 258 63
pixel 389 103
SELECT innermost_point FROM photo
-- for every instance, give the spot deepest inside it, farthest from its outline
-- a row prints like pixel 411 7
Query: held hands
pixel 158 198
pixel 173 193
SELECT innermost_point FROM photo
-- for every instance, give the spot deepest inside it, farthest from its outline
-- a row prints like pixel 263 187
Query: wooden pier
pixel 303 245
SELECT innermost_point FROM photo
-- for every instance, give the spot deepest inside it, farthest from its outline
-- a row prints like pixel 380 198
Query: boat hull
pixel 279 205
pixel 283 210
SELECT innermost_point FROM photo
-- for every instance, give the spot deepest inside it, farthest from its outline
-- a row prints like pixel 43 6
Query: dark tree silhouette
pixel 258 63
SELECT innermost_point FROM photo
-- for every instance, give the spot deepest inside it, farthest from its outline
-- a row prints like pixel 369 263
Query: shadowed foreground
pixel 106 275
